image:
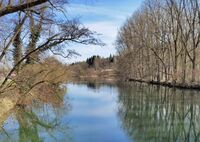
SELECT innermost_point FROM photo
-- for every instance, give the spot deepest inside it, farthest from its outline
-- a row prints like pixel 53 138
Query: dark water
pixel 109 113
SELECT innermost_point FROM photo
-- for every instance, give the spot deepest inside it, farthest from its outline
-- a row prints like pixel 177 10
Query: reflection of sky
pixel 94 114
pixel 104 17
pixel 92 117
pixel 10 125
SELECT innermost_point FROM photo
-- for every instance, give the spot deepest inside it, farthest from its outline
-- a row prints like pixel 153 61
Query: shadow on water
pixel 92 85
pixel 152 113
pixel 97 86
pixel 37 122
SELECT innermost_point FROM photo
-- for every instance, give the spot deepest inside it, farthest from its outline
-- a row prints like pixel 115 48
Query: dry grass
pixel 49 72
pixel 41 82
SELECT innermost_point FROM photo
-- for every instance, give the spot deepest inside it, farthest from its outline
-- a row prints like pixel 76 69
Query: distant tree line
pixel 96 60
pixel 94 68
pixel 92 60
pixel 161 41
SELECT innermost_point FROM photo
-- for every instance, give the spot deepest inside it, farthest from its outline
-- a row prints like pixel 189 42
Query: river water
pixel 91 112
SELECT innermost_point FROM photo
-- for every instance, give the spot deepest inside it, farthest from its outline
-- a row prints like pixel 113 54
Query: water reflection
pixel 95 84
pixel 29 124
pixel 152 113
pixel 107 113
pixel 37 120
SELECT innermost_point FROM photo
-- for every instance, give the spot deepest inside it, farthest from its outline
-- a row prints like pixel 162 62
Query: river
pixel 91 112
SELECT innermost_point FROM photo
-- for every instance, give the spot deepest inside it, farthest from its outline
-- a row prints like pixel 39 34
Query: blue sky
pixel 103 16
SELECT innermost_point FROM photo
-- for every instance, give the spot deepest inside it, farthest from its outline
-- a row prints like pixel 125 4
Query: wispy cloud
pixel 105 18
pixel 88 10
pixel 107 29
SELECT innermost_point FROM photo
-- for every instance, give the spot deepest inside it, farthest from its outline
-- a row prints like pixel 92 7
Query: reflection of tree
pixel 29 124
pixel 150 113
pixel 39 120
pixel 93 85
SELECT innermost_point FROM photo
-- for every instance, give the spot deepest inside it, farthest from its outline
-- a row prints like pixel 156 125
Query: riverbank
pixel 45 93
pixel 96 76
pixel 41 82
pixel 7 104
pixel 193 86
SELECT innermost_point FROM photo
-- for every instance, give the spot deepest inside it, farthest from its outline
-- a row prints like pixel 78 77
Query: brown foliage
pixel 50 72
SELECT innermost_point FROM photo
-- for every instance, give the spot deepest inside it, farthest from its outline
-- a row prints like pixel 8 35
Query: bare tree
pixel 162 39
pixel 37 31
pixel 9 6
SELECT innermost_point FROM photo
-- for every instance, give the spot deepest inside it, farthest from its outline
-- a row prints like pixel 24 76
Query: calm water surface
pixel 108 113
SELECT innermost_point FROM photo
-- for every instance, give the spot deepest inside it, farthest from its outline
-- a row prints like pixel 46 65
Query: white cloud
pixel 108 32
pixel 82 9
pixel 108 29
pixel 104 21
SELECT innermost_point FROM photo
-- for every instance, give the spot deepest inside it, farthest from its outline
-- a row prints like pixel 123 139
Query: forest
pixel 160 43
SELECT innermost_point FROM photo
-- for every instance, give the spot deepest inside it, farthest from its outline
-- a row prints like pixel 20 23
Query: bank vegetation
pixel 33 34
pixel 160 43
pixel 95 68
